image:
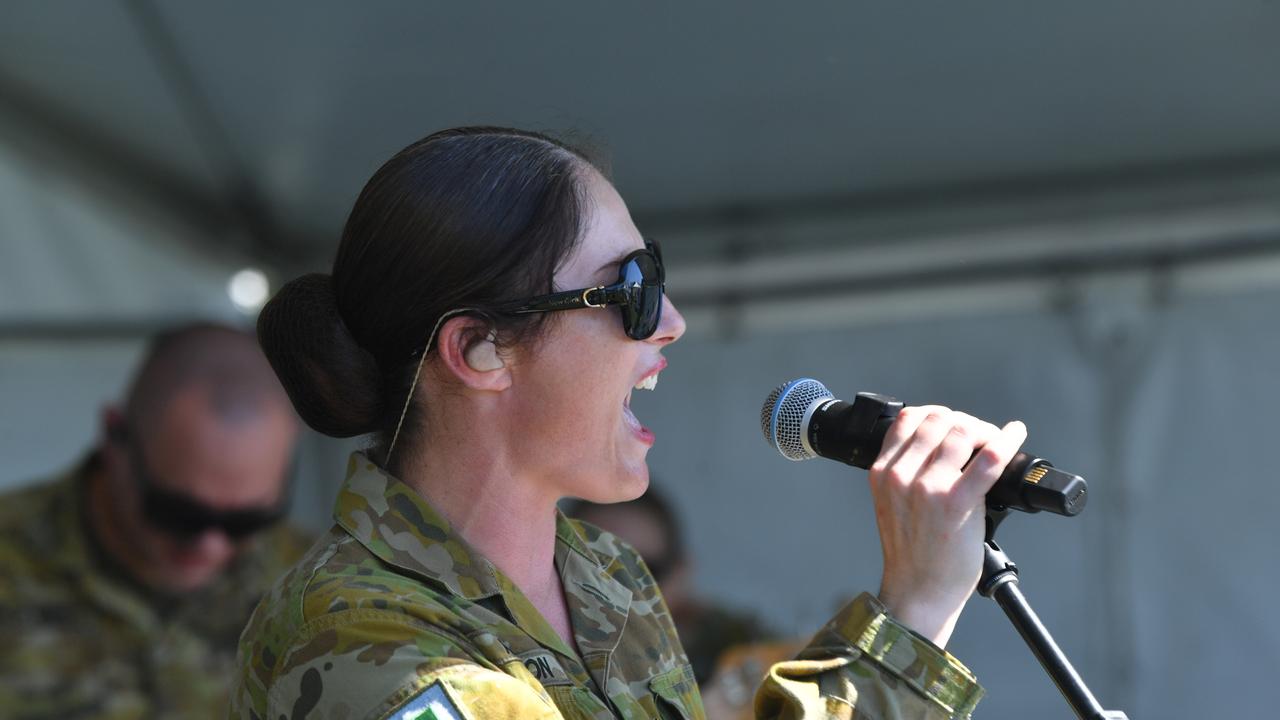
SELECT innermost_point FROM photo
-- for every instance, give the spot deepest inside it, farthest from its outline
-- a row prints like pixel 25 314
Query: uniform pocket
pixel 577 703
pixel 676 695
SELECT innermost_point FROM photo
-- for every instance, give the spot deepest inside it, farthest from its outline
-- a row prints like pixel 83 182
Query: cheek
pixel 125 503
pixel 588 393
pixel 582 380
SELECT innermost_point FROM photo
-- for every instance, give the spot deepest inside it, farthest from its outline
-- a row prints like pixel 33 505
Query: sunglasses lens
pixel 243 524
pixel 174 515
pixel 185 520
pixel 643 276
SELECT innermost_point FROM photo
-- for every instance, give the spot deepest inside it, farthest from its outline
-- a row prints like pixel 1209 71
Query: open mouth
pixel 648 382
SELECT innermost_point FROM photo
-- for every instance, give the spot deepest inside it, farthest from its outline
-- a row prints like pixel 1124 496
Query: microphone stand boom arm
pixel 999 581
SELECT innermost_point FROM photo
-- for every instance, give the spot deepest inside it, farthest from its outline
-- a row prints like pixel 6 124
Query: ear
pixel 482 355
pixel 113 445
pixel 467 350
pixel 115 429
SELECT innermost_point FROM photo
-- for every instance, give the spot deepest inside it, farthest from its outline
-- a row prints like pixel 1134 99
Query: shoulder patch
pixel 433 703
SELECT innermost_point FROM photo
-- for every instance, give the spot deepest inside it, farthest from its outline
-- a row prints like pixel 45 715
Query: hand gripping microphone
pixel 802 420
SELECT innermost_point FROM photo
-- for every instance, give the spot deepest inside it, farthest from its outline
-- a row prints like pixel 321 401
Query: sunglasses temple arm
pixel 569 300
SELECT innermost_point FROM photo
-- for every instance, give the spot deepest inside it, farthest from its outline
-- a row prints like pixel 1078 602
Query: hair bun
pixel 335 384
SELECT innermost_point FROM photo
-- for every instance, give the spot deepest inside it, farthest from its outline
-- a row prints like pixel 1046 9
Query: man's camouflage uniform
pixel 392 615
pixel 79 639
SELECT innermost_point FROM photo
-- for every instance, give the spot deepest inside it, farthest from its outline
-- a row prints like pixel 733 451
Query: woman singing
pixel 491 310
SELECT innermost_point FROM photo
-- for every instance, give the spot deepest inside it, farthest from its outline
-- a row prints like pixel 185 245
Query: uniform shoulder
pixel 283 606
pixel 348 576
pixel 341 612
pixel 372 669
pixel 338 582
pixel 31 502
pixel 31 527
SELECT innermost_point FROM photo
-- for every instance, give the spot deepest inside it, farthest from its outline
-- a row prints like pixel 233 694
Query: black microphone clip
pixel 852 433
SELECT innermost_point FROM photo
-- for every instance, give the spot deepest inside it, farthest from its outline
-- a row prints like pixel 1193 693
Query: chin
pixel 632 483
pixel 188 580
pixel 184 572
pixel 618 484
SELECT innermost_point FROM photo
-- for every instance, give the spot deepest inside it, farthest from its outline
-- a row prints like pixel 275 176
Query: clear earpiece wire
pixel 404 411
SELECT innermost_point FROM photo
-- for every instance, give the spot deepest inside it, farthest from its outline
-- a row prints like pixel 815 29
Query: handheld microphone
pixel 802 420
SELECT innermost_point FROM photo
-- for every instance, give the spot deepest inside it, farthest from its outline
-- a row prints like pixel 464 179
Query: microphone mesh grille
pixel 782 416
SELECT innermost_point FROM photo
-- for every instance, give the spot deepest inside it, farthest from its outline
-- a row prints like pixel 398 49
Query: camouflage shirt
pixel 393 615
pixel 78 639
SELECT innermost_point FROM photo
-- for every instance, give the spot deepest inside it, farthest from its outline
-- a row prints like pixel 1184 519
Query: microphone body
pixel 802 420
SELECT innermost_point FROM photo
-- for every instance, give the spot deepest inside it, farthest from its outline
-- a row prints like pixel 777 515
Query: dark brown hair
pixel 464 218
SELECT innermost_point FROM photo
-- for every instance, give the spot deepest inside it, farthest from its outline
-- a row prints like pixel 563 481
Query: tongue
pixel 630 417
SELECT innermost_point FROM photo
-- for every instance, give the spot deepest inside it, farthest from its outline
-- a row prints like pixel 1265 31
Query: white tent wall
pixel 1158 386
pixel 74 264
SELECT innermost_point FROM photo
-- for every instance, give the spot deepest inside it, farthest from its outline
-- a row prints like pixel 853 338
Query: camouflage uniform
pixel 394 616
pixel 79 639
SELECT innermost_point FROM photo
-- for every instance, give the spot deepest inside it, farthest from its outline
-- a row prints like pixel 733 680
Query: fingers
pixel 940 442
pixel 931 435
pixel 928 485
pixel 902 431
pixel 985 467
pixel 981 430
pixel 955 449
pixel 944 451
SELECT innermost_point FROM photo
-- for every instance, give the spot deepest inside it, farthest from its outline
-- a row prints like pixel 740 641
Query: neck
pixel 505 514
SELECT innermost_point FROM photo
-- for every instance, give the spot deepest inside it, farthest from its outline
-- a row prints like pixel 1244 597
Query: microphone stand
pixel 1000 581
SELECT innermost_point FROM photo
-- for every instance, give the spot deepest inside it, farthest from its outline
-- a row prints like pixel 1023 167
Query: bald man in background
pixel 125 583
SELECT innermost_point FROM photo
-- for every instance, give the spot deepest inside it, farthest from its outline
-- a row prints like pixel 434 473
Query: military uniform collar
pixel 397 525
pixel 571 540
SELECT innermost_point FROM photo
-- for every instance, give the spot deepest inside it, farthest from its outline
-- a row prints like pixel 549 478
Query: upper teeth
pixel 648 383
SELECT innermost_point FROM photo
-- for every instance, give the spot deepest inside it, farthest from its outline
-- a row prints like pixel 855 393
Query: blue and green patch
pixel 433 703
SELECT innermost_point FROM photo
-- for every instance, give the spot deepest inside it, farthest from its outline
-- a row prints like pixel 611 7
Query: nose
pixel 213 544
pixel 672 325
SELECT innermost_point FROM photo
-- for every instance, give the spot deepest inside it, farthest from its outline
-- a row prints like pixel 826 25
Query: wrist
pixel 933 620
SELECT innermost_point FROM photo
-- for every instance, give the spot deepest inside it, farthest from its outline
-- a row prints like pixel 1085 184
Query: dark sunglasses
pixel 641 284
pixel 185 518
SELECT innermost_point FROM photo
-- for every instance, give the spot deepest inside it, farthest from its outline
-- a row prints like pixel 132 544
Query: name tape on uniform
pixel 544 666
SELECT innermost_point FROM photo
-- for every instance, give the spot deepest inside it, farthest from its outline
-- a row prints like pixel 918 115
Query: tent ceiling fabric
pixel 697 105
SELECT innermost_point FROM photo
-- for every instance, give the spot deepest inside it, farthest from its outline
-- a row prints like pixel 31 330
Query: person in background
pixel 125 583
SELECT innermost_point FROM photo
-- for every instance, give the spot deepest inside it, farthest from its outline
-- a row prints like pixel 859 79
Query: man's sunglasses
pixel 639 290
pixel 185 518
